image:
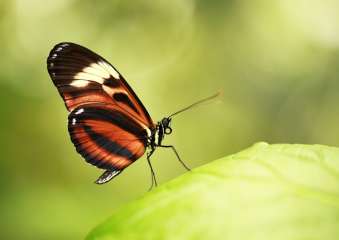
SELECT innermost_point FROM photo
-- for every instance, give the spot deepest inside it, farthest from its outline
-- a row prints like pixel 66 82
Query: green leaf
pixel 265 192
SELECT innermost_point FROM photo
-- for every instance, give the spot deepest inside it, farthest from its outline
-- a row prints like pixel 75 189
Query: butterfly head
pixel 166 124
pixel 163 128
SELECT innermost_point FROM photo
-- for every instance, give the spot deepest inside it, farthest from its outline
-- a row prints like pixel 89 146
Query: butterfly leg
pixel 176 153
pixel 154 180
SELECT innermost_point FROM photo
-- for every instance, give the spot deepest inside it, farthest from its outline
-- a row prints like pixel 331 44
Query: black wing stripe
pixel 57 63
pixel 122 97
pixel 55 59
pixel 92 157
pixel 107 144
pixel 113 116
pixel 112 82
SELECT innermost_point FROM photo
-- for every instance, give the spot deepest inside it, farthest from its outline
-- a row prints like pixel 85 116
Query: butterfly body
pixel 108 125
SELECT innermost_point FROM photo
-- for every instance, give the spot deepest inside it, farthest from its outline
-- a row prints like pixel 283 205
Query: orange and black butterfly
pixel 108 124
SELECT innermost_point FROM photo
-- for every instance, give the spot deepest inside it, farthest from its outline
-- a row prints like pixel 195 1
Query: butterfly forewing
pixel 108 124
pixel 83 77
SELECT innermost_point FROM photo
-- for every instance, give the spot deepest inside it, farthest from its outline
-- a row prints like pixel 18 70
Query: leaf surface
pixel 265 192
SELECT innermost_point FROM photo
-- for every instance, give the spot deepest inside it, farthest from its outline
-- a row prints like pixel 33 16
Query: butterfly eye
pixel 168 130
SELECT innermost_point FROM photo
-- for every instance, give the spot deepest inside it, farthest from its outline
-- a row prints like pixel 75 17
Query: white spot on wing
pixel 74 121
pixel 98 70
pixel 109 69
pixel 89 77
pixel 81 110
pixel 79 83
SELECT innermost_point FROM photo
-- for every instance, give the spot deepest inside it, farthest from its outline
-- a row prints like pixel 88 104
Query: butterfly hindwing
pixel 106 137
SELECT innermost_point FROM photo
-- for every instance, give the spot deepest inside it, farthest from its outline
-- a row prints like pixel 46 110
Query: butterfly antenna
pixel 197 103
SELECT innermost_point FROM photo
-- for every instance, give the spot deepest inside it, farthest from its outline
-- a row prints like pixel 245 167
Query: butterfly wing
pixel 84 77
pixel 108 124
pixel 106 137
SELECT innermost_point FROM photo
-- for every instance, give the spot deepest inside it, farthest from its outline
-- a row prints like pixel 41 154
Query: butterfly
pixel 108 124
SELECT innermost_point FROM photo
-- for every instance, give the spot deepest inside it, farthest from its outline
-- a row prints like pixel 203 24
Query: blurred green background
pixel 275 61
